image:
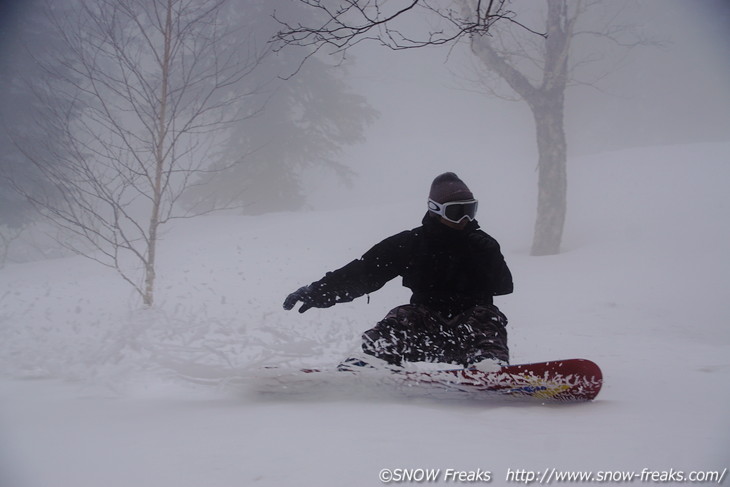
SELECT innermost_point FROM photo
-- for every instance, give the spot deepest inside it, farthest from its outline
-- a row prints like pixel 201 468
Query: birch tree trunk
pixel 151 261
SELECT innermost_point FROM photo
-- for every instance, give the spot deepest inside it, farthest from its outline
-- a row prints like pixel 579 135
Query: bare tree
pixel 148 85
pixel 534 62
pixel 545 96
pixel 539 70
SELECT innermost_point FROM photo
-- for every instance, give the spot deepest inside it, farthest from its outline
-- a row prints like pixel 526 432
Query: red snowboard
pixel 570 380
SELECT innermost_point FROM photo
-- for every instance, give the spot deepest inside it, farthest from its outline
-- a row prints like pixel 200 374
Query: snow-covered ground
pixel 95 392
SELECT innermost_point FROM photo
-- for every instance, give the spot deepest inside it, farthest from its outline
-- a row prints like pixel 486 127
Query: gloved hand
pixel 302 294
pixel 482 242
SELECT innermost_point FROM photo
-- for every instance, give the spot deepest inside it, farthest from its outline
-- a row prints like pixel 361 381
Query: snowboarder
pixel 454 270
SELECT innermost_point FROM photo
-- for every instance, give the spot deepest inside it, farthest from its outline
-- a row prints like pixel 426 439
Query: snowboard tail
pixel 562 380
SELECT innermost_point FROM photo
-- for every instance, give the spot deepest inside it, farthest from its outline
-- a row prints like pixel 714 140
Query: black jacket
pixel 448 270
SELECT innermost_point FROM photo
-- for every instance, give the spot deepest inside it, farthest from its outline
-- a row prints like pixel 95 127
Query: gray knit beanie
pixel 448 187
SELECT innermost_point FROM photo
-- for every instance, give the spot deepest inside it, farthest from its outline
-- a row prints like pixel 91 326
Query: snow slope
pixel 94 392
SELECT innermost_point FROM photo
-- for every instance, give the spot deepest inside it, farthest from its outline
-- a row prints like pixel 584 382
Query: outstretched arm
pixel 377 266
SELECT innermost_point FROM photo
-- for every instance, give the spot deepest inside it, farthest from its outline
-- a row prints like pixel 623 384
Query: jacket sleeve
pixel 369 273
pixel 503 278
pixel 492 262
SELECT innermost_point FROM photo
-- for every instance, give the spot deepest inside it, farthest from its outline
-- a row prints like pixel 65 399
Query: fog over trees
pixel 538 49
pixel 142 107
pixel 108 140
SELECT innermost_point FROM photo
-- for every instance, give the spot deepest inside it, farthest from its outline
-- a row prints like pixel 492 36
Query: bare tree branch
pixel 346 23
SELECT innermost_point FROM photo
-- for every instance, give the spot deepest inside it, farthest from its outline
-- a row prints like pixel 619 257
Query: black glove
pixel 482 242
pixel 303 294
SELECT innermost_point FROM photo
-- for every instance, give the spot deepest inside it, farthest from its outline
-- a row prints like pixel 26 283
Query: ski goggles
pixel 454 211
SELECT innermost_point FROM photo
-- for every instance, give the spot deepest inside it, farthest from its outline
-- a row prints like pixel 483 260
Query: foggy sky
pixel 677 94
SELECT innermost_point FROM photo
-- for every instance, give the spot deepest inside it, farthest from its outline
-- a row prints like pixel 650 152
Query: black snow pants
pixel 413 333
